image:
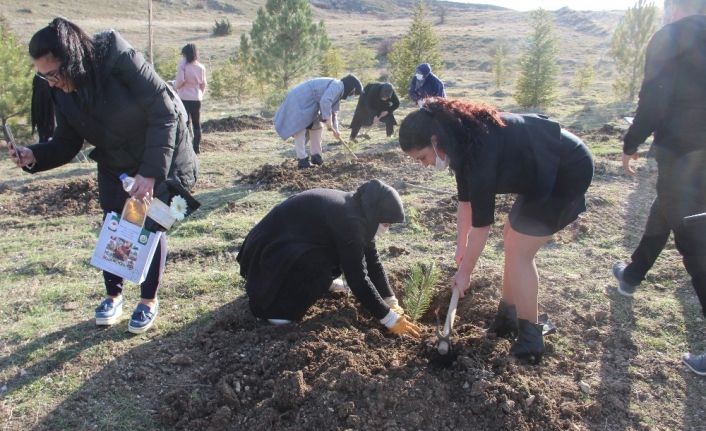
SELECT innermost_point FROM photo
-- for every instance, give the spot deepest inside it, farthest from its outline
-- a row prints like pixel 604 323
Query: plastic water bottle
pixel 127 181
pixel 134 210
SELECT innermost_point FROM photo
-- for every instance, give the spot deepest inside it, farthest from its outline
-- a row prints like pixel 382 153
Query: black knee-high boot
pixel 529 344
pixel 505 323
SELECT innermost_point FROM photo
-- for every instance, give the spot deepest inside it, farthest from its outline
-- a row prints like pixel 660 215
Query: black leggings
pixel 148 288
pixel 112 198
pixel 193 108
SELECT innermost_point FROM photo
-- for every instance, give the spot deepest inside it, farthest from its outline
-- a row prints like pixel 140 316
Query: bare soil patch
pixel 74 197
pixel 236 124
pixel 391 167
pixel 338 370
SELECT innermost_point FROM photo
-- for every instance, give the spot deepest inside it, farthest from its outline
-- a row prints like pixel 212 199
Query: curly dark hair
pixel 75 51
pixel 457 125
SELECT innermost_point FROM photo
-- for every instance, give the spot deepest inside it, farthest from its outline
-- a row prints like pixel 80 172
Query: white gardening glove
pixel 394 304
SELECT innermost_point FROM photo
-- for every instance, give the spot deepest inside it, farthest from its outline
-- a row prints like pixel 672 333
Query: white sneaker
pixel 279 322
pixel 338 286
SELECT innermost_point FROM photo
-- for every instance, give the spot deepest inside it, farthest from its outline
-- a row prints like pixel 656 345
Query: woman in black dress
pixel 494 153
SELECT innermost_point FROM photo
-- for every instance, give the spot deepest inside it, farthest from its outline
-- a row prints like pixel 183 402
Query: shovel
pixel 445 336
pixel 346 145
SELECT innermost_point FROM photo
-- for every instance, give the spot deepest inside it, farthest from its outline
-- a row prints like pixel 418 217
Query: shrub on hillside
pixel 222 27
pixel 232 79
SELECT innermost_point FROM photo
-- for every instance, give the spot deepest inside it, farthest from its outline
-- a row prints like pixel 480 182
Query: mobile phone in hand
pixel 9 138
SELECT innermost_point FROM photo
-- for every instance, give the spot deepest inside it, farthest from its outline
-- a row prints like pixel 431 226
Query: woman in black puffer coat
pixel 104 92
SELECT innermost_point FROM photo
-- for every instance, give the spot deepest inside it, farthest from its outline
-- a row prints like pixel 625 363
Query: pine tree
pixel 332 63
pixel 500 65
pixel 538 76
pixel 361 62
pixel 584 76
pixel 419 45
pixel 284 42
pixel 15 76
pixel 629 45
pixel 165 63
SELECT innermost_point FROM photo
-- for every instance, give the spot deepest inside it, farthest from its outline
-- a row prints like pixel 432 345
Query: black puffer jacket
pixel 136 123
pixel 333 227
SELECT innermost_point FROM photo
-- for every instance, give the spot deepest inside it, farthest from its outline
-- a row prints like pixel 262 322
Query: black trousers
pixel 681 191
pixel 112 198
pixel 193 109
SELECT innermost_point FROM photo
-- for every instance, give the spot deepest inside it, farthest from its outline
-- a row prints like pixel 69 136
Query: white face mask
pixel 382 229
pixel 350 98
pixel 440 163
pixel 419 76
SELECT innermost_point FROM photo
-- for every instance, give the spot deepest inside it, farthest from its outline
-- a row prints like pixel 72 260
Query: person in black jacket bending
pixel 292 256
pixel 494 153
pixel 672 105
pixel 104 92
pixel 377 103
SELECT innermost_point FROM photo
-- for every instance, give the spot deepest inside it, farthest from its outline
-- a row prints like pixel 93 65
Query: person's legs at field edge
pixel 691 243
pixel 192 110
pixel 148 288
pixel 651 245
pixel 315 137
pixel 300 144
pixel 195 115
pixel 520 277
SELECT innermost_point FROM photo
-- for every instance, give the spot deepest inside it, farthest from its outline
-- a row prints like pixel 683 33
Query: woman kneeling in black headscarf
pixel 292 256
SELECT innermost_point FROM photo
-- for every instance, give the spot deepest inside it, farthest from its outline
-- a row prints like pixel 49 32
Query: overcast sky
pixel 556 4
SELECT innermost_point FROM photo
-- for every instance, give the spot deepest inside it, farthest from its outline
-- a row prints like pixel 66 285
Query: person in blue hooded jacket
pixel 425 84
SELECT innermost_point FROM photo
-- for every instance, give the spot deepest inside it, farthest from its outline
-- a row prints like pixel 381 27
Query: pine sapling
pixel 419 289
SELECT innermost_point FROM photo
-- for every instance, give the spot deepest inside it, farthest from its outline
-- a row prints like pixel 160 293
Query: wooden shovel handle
pixel 450 316
pixel 347 147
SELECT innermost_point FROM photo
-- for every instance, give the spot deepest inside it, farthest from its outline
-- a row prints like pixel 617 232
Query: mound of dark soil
pixel 75 197
pixel 338 369
pixel 337 174
pixel 235 124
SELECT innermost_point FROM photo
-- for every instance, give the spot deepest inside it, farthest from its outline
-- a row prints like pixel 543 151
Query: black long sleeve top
pixel 523 157
pixel 672 101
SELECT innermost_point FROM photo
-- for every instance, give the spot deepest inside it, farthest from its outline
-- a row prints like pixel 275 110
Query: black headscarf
pixel 351 85
pixel 380 204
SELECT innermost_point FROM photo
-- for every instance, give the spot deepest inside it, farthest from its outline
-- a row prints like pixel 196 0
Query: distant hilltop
pixel 394 6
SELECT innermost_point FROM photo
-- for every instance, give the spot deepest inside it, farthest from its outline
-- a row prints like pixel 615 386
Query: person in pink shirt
pixel 191 85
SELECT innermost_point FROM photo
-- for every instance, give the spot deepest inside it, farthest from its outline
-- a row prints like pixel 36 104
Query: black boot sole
pixel 531 357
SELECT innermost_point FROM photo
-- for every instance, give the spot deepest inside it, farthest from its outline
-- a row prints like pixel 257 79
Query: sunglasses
pixel 52 76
